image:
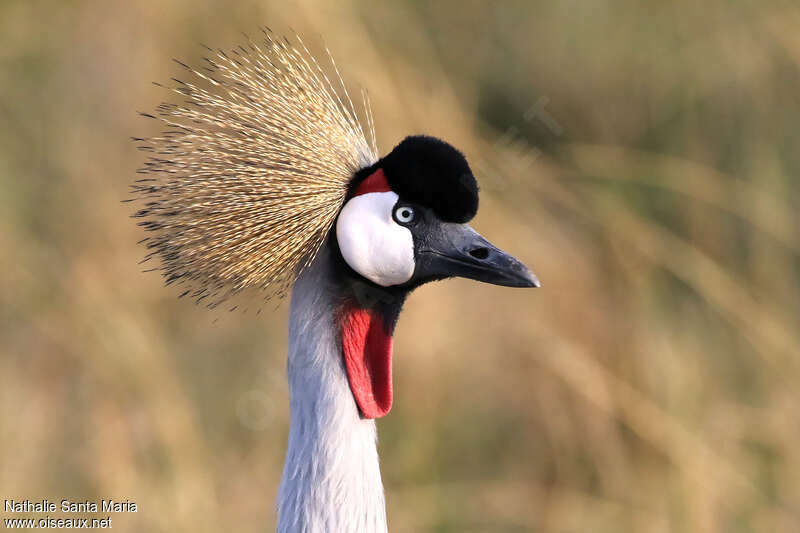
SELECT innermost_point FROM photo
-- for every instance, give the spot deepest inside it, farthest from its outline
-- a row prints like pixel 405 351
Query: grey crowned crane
pixel 264 178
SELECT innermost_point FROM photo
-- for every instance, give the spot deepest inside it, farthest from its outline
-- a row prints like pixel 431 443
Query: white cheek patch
pixel 372 243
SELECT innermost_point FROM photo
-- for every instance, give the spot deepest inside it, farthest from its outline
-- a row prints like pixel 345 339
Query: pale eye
pixel 403 214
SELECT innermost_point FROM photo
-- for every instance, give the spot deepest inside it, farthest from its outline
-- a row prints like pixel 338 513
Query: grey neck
pixel 331 478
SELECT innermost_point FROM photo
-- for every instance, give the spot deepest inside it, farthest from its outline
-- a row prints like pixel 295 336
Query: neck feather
pixel 331 478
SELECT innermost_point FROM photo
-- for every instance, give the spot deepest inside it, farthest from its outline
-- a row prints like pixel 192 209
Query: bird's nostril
pixel 479 253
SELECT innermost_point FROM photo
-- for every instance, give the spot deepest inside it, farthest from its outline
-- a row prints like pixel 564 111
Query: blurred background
pixel 641 157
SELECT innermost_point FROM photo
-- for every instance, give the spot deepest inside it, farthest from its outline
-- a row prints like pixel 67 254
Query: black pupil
pixel 405 213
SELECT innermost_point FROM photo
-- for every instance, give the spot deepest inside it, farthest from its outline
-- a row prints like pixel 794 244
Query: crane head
pixel 262 165
pixel 405 222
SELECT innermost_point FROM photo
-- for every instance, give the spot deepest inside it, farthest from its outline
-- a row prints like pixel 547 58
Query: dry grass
pixel 642 158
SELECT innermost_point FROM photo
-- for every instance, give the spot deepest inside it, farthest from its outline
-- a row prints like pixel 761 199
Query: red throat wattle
pixel 367 347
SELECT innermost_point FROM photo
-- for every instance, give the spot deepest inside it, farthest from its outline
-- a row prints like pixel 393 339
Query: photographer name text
pixel 68 506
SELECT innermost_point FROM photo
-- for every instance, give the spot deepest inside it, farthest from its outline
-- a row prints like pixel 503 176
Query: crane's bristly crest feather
pixel 245 184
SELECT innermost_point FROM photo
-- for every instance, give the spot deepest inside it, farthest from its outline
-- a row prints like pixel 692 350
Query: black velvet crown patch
pixel 430 172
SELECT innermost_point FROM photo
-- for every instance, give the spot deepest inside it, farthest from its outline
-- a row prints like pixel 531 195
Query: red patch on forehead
pixel 376 182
